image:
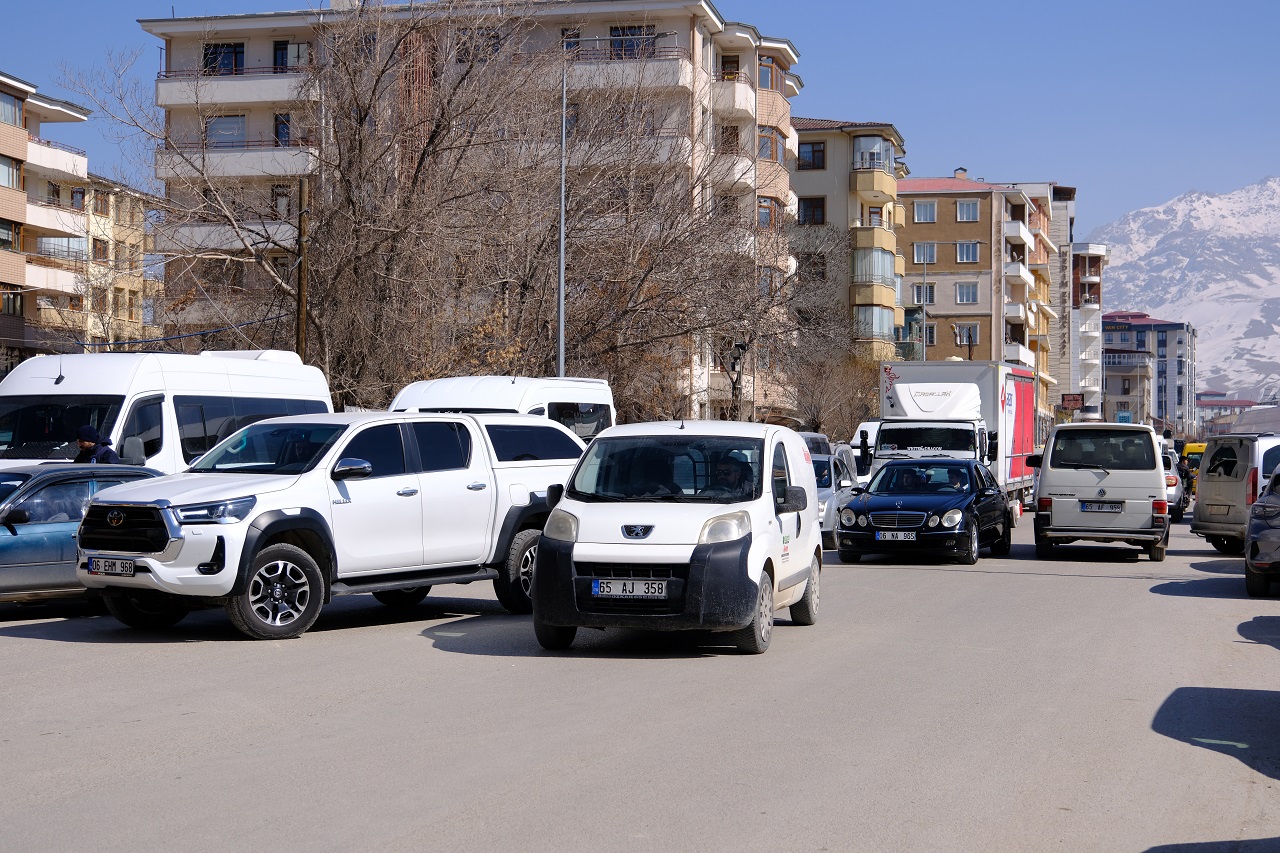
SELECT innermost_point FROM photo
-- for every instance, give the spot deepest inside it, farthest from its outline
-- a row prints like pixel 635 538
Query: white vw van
pixel 682 525
pixel 585 406
pixel 161 410
pixel 1101 482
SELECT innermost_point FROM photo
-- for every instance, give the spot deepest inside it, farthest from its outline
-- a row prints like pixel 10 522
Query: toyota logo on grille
pixel 115 518
pixel 636 531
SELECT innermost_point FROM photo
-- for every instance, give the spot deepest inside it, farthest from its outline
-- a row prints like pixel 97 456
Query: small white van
pixel 1101 482
pixel 161 410
pixel 585 406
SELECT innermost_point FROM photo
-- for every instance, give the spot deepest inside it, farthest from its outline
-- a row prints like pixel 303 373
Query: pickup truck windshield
pixel 270 449
pixel 44 426
pixel 932 438
pixel 700 468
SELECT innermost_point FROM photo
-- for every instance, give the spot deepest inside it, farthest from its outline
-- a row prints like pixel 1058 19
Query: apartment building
pixel 1149 369
pixel 846 175
pixel 43 223
pixel 1081 373
pixel 232 87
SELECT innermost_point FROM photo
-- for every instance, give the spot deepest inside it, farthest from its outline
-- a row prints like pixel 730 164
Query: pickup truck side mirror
pixel 795 500
pixel 554 493
pixel 351 469
pixel 845 483
pixel 18 515
pixel 1033 460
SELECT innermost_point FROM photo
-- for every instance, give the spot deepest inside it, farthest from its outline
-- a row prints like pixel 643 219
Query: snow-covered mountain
pixel 1212 261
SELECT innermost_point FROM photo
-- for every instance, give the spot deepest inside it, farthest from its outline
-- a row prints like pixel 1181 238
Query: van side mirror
pixel 1033 460
pixel 795 500
pixel 131 451
pixel 845 483
pixel 351 469
pixel 554 493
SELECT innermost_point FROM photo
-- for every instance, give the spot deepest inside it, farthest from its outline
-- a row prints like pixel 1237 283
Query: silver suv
pixel 1175 488
pixel 1232 470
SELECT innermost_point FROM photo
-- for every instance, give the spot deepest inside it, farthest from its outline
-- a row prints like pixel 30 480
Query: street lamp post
pixel 735 380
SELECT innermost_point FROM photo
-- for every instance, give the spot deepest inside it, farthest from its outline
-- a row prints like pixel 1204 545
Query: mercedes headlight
pixel 725 528
pixel 561 525
pixel 952 518
pixel 848 518
pixel 218 512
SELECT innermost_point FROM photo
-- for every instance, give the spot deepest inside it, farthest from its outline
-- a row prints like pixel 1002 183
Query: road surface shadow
pixel 1221 567
pixel 69 609
pixel 1252 845
pixel 1203 588
pixel 1238 723
pixel 1264 630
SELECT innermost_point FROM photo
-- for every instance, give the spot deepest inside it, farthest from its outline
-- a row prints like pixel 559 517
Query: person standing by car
pixel 93 448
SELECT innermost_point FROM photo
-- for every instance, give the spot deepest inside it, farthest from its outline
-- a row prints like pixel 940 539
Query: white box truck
pixel 961 409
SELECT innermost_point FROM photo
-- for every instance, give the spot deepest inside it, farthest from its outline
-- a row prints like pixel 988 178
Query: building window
pixel 288 57
pixel 10 109
pixel 770 74
pixel 226 58
pixel 101 203
pixel 101 251
pixel 98 298
pixel 10 233
pixel 770 281
pixel 966 333
pixel 1181 366
pixel 812 155
pixel 224 132
pixel 280 129
pixel 77 198
pixel 922 294
pixel 967 211
pixel 966 253
pixel 811 266
pixel 477 44
pixel 772 144
pixel 10 173
pixel 11 301
pixel 633 41
pixel 1124 337
pixel 926 253
pixel 282 200
pixel 873 152
pixel 926 211
pixel 730 139
pixel 813 211
pixel 53 193
pixel 930 334
pixel 135 258
pixel 1125 387
pixel 570 39
pixel 1180 395
pixel 768 212
pixel 1107 338
pixel 966 293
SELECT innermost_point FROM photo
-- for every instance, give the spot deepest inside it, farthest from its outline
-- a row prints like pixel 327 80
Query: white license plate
pixel 1219 509
pixel 628 589
pixel 1097 507
pixel 100 566
pixel 894 536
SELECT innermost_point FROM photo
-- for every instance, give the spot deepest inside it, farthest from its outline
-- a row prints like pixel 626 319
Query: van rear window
pixel 1224 464
pixel 514 443
pixel 1116 450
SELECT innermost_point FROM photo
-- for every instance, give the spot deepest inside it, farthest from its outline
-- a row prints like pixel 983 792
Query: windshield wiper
pixel 1079 465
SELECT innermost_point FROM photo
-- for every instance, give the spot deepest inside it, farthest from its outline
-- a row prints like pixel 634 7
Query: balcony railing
pixel 734 77
pixel 182 73
pixel 234 145
pixel 882 222
pixel 55 202
pixel 868 163
pixel 61 146
pixel 630 52
pixel 909 350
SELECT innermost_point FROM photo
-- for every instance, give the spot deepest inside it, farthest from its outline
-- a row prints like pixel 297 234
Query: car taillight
pixel 1159 507
pixel 1170 480
pixel 1253 486
pixel 1044 505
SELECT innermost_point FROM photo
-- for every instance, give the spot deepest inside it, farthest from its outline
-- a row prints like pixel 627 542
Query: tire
pixel 970 556
pixel 402 599
pixel 1233 545
pixel 516 575
pixel 805 611
pixel 282 597
pixel 1044 549
pixel 754 638
pixel 1000 548
pixel 1256 584
pixel 1156 552
pixel 553 638
pixel 850 557
pixel 146 610
pixel 828 541
pixel 1175 515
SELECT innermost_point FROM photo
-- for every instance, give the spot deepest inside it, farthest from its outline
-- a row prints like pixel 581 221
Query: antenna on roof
pixel 58 381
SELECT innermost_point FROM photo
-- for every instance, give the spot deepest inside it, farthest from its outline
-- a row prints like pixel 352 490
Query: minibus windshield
pixel 44 426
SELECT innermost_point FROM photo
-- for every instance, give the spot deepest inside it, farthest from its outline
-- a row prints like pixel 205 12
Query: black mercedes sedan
pixel 940 507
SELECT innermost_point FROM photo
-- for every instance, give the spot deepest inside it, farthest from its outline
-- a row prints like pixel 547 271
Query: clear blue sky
pixel 1132 103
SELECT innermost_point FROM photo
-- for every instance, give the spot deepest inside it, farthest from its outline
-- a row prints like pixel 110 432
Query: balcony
pixel 1091 356
pixel 236 160
pixel 1015 312
pixel 874 234
pixel 54 218
pixel 57 158
pixel 1016 231
pixel 1086 278
pixel 13 204
pixel 873 179
pixel 732 96
pixel 1090 383
pixel 13 269
pixel 1090 330
pixel 48 278
pixel 632 66
pixel 191 87
pixel 1016 272
pixel 909 350
pixel 1018 354
pixel 212 236
pixel 733 169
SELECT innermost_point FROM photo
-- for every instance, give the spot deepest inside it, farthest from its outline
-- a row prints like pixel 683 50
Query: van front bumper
pixel 712 592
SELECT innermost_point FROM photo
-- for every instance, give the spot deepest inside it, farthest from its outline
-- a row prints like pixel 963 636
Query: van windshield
pixel 692 469
pixel 44 426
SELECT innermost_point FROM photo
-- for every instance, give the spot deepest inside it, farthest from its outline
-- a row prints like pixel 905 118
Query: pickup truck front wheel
pixel 283 596
pixel 515 575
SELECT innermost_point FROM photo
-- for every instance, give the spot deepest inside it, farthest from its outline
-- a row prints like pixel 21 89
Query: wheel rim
pixel 279 592
pixel 765 613
pixel 813 580
pixel 973 539
pixel 527 561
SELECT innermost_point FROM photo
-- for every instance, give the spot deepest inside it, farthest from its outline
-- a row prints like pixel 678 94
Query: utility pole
pixel 300 344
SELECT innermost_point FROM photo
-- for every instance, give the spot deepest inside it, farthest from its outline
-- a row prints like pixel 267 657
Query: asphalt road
pixel 1095 702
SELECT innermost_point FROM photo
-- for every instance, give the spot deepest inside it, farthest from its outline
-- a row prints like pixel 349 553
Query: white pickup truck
pixel 286 513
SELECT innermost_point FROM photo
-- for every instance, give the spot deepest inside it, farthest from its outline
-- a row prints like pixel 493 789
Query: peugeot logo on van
pixel 115 518
pixel 636 531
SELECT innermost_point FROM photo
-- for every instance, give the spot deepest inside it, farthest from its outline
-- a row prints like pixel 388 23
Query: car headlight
pixel 848 518
pixel 725 528
pixel 952 518
pixel 933 521
pixel 822 507
pixel 218 512
pixel 561 525
pixel 862 521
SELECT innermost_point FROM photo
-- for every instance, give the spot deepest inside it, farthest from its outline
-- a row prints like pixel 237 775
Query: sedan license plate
pixel 628 589
pixel 120 568
pixel 894 536
pixel 1101 507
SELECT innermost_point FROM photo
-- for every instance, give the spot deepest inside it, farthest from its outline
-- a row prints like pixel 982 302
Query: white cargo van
pixel 161 410
pixel 585 406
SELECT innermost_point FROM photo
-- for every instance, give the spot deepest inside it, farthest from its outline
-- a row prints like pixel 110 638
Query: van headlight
pixel 952 518
pixel 561 525
pixel 725 528
pixel 218 512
